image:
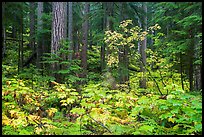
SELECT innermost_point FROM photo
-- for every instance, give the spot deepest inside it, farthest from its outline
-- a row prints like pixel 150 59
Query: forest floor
pixel 32 107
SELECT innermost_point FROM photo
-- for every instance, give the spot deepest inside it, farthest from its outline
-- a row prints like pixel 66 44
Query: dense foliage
pixel 97 110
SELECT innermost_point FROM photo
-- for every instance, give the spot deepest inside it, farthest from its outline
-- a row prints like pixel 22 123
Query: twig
pixel 163 81
pixel 151 76
pixel 99 123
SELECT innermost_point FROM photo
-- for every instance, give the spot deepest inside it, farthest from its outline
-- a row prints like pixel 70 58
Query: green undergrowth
pixel 96 110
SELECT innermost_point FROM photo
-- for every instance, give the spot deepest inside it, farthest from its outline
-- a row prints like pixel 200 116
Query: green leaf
pixel 143 100
pixel 198 127
pixel 136 110
pixel 74 93
pixel 24 132
pixel 63 71
pixel 175 111
pixel 163 107
pixel 165 116
pixel 79 111
pixel 70 100
pixel 87 105
pixel 136 133
pixel 146 128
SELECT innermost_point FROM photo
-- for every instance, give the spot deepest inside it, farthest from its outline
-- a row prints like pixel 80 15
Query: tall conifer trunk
pixel 58 33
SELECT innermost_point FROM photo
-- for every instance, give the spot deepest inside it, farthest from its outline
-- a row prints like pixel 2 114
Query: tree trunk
pixel 32 26
pixel 14 31
pixel 198 67
pixel 143 48
pixel 139 42
pixel 110 15
pixel 109 24
pixel 64 55
pixel 102 53
pixel 191 54
pixel 85 31
pixel 181 70
pixel 70 30
pixel 3 31
pixel 123 56
pixel 58 33
pixel 40 36
pixel 3 41
pixel 66 19
pixel 20 57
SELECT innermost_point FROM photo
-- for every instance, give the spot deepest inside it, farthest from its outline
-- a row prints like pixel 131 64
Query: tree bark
pixel 143 48
pixel 197 67
pixel 102 53
pixel 64 55
pixel 181 70
pixel 70 30
pixel 3 41
pixel 32 26
pixel 191 54
pixel 109 25
pixel 20 57
pixel 3 31
pixel 123 55
pixel 85 31
pixel 14 31
pixel 40 36
pixel 58 33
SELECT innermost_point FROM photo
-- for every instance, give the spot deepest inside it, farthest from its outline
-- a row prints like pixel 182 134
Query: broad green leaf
pixel 79 111
pixel 74 93
pixel 146 128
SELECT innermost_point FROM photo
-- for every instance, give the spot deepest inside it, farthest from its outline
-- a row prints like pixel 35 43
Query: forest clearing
pixel 101 68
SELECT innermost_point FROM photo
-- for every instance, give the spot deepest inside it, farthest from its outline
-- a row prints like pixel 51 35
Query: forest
pixel 101 68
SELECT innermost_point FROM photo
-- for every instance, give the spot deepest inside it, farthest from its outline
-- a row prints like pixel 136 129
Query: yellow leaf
pixel 6 122
pixel 171 120
pixel 38 130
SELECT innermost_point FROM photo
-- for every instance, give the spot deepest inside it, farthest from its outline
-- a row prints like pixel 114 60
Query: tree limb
pixel 99 123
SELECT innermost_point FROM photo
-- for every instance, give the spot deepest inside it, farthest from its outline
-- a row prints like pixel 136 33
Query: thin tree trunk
pixel 64 55
pixel 85 29
pixel 40 39
pixel 121 52
pixel 4 31
pixel 70 30
pixel 198 67
pixel 123 56
pixel 102 54
pixel 190 73
pixel 32 26
pixel 181 70
pixel 4 41
pixel 191 54
pixel 143 48
pixel 77 39
pixel 14 31
pixel 139 42
pixel 126 63
pixel 19 55
pixel 109 25
pixel 21 63
pixel 20 52
pixel 66 19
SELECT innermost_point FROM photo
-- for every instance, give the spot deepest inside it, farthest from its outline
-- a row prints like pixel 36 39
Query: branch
pixel 162 80
pixel 99 123
pixel 12 39
pixel 140 59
